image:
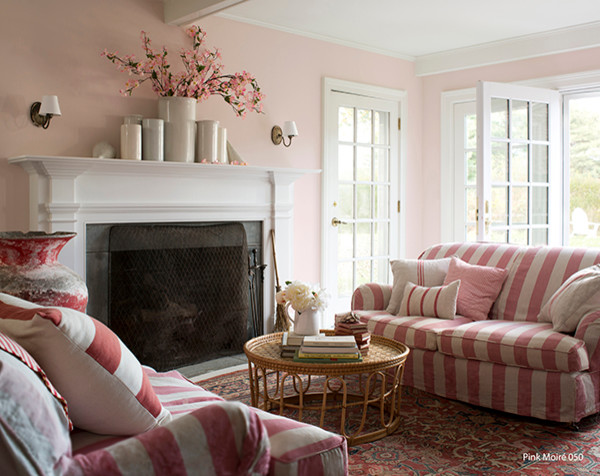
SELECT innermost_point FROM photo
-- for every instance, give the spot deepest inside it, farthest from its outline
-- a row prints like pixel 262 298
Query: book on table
pixel 329 347
pixel 329 341
pixel 331 359
pixel 290 343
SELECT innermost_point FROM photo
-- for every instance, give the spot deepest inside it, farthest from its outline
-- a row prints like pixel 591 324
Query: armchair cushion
pixel 102 381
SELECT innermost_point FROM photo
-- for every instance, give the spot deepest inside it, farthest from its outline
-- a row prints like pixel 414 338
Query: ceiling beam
pixel 182 12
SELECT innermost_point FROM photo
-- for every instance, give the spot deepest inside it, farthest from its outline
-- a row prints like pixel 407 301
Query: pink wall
pixel 434 85
pixel 54 48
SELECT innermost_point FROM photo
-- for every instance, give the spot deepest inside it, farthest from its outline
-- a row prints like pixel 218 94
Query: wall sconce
pixel 289 130
pixel 41 113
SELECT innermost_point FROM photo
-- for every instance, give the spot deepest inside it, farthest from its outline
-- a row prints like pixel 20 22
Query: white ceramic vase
pixel 207 141
pixel 306 323
pixel 179 116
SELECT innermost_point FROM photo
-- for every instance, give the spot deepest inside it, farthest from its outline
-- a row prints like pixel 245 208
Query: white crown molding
pixel 524 47
pixel 316 36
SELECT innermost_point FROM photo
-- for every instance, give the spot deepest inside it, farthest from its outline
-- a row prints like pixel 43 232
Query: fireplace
pixel 176 294
pixel 70 193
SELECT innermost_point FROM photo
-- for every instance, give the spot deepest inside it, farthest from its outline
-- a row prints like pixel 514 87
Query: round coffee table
pixel 372 385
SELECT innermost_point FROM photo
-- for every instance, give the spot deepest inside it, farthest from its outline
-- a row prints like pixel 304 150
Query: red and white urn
pixel 29 269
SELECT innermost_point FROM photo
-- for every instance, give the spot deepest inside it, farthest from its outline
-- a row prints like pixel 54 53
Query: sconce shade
pixel 49 106
pixel 290 129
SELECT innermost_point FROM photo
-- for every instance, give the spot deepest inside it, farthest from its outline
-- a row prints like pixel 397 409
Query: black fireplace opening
pixel 177 294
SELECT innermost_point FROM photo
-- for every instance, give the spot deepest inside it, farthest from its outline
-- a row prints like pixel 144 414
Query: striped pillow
pixel 421 272
pixel 437 301
pixel 100 378
pixel 578 295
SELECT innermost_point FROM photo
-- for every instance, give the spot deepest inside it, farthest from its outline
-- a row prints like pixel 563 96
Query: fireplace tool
pixel 282 321
pixel 256 274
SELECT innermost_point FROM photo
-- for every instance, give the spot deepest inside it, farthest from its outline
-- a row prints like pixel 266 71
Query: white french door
pixel 360 194
pixel 518 164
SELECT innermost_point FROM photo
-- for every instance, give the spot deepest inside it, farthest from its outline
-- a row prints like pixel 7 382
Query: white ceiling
pixel 420 30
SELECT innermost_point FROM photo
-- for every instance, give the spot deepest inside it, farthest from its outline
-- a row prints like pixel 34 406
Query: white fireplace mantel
pixel 67 193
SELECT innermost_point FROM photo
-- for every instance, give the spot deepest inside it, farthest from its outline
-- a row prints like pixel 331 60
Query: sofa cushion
pixel 34 429
pixel 578 295
pixel 417 332
pixel 436 301
pixel 523 344
pixel 479 287
pixel 420 272
pixel 100 378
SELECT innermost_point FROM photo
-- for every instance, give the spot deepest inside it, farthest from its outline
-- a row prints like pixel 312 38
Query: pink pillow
pixel 479 287
pixel 437 301
pixel 102 381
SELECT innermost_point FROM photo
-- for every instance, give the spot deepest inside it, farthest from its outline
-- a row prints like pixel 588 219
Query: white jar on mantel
pixel 207 136
pixel 179 116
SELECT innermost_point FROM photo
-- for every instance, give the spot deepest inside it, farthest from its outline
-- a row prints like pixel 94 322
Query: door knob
pixel 336 221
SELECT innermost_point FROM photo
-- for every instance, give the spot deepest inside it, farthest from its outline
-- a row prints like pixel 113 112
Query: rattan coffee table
pixel 370 388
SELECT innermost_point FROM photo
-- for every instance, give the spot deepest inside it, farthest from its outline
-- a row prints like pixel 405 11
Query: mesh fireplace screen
pixel 178 294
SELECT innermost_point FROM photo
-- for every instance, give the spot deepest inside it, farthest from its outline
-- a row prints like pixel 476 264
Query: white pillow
pixel 427 272
pixel 577 296
pixel 102 381
pixel 437 301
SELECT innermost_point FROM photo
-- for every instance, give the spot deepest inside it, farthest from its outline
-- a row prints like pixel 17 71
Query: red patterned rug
pixel 445 437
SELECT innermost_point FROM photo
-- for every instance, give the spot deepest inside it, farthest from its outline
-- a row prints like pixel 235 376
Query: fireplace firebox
pixel 176 294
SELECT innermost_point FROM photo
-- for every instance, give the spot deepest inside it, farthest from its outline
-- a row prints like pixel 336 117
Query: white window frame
pixel 564 84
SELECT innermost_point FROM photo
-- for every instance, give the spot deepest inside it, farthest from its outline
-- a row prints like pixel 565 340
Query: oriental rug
pixel 446 437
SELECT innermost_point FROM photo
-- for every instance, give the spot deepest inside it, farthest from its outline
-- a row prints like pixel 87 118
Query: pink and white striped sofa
pixel 511 361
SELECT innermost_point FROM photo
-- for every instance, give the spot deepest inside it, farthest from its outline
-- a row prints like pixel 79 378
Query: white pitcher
pixel 306 323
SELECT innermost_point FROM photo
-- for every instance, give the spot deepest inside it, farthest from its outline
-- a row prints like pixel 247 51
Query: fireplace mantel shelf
pixel 73 167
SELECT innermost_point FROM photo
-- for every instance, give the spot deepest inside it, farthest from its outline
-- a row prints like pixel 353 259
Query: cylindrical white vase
pixel 222 146
pixel 133 119
pixel 207 135
pixel 153 144
pixel 179 114
pixel 131 141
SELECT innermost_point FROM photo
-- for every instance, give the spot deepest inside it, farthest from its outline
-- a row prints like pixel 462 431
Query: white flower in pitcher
pixel 302 297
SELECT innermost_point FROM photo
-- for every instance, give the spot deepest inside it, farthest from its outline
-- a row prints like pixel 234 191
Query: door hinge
pixel 399 207
pixel 399 124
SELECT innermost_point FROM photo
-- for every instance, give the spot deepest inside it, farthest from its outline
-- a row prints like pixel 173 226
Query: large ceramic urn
pixel 29 269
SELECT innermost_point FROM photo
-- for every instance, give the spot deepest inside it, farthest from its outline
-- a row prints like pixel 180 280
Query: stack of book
pixel 290 343
pixel 328 349
pixel 350 325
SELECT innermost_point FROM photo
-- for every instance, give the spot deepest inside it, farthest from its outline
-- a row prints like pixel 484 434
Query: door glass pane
pixel 363 239
pixel 363 272
pixel 345 241
pixel 380 270
pixel 519 163
pixel 380 165
pixel 539 205
pixel 363 201
pixel 500 205
pixel 539 236
pixel 519 206
pixel 539 121
pixel 499 119
pixel 471 233
pixel 382 201
pixel 380 239
pixel 471 131
pixel 346 124
pixel 346 201
pixel 499 236
pixel 363 126
pixel 539 166
pixel 471 200
pixel 345 278
pixel 499 162
pixel 363 163
pixel 518 236
pixel 471 167
pixel 345 162
pixel 519 120
pixel 380 127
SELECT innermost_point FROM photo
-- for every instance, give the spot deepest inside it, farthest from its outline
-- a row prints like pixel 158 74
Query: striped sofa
pixel 511 361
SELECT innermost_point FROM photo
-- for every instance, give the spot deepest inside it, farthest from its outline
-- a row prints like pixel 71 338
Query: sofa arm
pixel 588 330
pixel 224 438
pixel 371 297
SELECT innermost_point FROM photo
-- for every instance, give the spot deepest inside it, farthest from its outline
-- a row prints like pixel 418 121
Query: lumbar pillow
pixel 437 301
pixel 34 428
pixel 577 296
pixel 479 287
pixel 428 272
pixel 102 381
